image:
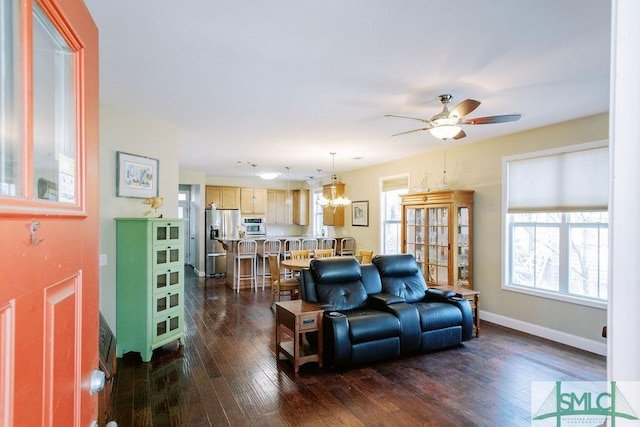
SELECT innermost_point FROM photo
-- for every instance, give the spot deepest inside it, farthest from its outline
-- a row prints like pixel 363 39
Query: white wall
pixel 624 284
pixel 478 167
pixel 123 131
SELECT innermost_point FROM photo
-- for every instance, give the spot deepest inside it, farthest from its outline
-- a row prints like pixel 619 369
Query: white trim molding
pixel 547 333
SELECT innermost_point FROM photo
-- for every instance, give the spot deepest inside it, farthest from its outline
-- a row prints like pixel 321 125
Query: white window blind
pixel 567 181
pixel 396 183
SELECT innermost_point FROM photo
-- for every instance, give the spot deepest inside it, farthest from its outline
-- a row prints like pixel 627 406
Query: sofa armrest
pixel 337 345
pixel 324 306
pixel 383 299
pixel 433 294
pixel 467 316
pixel 409 318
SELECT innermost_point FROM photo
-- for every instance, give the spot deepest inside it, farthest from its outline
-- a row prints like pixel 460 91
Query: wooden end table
pixel 474 299
pixel 299 317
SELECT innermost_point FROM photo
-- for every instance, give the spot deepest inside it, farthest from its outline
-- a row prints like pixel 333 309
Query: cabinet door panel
pixel 163 303
pixel 166 328
pixel 167 279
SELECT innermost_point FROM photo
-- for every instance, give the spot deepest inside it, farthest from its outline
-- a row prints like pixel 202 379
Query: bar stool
pixel 328 243
pixel 347 246
pixel 246 250
pixel 290 244
pixel 269 247
pixel 309 244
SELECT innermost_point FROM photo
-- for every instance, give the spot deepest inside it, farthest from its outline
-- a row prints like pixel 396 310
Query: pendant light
pixel 253 190
pixel 288 200
pixel 334 202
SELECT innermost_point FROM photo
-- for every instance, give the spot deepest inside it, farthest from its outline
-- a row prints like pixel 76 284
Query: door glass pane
pixel 11 153
pixel 54 113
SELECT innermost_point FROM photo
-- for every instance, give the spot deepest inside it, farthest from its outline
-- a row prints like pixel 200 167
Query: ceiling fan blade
pixel 460 135
pixel 405 117
pixel 492 119
pixel 464 108
pixel 410 131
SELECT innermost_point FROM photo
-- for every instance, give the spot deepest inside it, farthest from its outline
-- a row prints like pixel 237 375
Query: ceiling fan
pixel 446 125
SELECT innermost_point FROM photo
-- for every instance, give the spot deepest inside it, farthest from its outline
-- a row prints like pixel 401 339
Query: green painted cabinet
pixel 149 284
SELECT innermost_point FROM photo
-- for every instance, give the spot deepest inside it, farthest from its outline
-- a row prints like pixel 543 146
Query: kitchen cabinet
pixel 278 211
pixel 222 197
pixel 437 228
pixel 300 204
pixel 331 216
pixel 250 206
pixel 149 284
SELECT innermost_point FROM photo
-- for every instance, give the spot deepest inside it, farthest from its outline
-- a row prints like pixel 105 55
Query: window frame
pixel 506 246
pixel 383 209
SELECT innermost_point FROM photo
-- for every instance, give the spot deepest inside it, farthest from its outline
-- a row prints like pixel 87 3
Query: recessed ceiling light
pixel 268 175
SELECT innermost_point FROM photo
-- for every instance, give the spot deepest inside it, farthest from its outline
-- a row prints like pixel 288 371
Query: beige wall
pixel 123 131
pixel 478 167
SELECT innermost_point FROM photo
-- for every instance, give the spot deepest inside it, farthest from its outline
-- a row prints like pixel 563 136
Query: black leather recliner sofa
pixel 380 311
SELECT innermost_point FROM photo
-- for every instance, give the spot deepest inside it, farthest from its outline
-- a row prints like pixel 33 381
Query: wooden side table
pixel 474 299
pixel 299 317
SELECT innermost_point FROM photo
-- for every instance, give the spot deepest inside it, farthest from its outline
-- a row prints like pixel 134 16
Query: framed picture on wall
pixel 360 214
pixel 136 176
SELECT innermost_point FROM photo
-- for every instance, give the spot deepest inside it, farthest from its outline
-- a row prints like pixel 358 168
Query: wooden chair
pixel 323 253
pixel 280 286
pixel 347 246
pixel 269 247
pixel 367 256
pixel 301 254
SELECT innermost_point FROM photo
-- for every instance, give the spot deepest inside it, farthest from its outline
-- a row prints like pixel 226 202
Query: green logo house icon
pixel 584 403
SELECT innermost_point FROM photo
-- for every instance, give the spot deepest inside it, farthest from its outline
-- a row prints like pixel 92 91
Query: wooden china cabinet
pixel 437 228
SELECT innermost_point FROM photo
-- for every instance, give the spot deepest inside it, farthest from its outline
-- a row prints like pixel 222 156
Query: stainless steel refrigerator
pixel 220 224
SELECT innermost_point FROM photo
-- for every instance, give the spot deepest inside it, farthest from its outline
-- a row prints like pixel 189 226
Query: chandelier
pixel 334 202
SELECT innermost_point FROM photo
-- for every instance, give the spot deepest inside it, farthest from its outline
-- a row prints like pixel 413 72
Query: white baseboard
pixel 198 272
pixel 547 333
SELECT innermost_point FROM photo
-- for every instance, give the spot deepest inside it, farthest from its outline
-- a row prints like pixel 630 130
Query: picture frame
pixel 360 213
pixel 136 176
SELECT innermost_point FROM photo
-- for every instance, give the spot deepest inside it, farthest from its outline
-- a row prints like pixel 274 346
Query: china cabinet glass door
pixel 415 234
pixel 462 247
pixel 438 245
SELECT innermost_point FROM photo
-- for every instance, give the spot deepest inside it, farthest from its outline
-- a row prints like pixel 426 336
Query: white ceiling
pixel 285 82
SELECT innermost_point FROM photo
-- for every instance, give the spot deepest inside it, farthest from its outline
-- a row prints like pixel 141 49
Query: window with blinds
pixel 556 223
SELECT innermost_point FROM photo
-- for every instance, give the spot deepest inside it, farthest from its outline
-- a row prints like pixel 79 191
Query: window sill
pixel 602 305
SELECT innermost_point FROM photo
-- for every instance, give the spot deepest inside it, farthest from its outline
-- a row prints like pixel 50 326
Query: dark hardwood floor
pixel 227 374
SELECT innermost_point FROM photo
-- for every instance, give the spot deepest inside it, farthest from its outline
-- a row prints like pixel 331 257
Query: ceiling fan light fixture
pixel 445 131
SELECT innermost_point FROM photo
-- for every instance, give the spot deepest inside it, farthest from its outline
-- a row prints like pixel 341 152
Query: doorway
pixel 185 212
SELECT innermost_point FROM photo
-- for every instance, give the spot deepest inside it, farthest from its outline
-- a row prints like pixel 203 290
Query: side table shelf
pixel 299 317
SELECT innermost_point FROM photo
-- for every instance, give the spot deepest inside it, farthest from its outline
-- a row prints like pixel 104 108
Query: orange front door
pixel 48 213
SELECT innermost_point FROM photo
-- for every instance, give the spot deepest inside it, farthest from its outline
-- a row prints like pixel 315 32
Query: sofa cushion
pixel 371 325
pixel 335 270
pixel 342 296
pixel 396 265
pixel 401 276
pixel 438 315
